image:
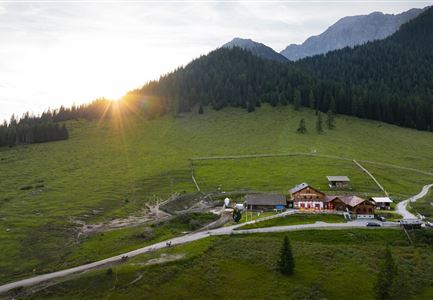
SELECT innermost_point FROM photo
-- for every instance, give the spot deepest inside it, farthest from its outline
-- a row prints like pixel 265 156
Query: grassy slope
pixel 424 206
pixel 106 170
pixel 329 265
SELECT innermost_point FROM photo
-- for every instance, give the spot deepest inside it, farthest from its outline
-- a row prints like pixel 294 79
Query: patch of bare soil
pixel 148 215
pixel 163 258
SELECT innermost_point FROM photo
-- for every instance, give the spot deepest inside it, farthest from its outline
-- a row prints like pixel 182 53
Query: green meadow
pixel 278 174
pixel 109 170
pixel 329 264
pixel 424 206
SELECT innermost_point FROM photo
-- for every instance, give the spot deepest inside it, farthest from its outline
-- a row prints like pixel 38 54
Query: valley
pixel 110 170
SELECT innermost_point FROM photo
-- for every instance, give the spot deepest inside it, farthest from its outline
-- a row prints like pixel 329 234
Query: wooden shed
pixel 265 201
pixel 338 182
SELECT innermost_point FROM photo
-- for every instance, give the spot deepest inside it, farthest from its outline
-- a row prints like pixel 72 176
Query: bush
pixel 194 225
pixel 147 234
pixel 26 187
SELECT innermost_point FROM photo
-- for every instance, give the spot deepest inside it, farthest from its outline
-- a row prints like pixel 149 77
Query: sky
pixel 56 53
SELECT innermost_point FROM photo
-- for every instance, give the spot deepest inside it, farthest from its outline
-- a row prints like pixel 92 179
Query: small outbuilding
pixel 338 182
pixel 382 202
pixel 265 201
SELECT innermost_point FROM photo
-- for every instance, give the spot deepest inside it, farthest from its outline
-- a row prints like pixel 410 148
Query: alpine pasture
pixel 109 170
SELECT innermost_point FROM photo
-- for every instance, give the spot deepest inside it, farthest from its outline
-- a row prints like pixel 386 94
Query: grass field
pixel 295 219
pixel 337 264
pixel 278 174
pixel 109 170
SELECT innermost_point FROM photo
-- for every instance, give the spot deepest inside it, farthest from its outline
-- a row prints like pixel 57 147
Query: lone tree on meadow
pixel 302 128
pixel 286 263
pixel 319 123
pixel 330 122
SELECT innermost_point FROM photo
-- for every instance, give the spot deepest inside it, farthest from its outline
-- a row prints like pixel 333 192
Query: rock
pixel 349 32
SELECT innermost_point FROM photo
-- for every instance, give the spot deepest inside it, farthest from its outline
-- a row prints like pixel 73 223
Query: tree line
pixel 387 80
pixel 49 125
pixel 234 77
pixel 390 79
pixel 27 133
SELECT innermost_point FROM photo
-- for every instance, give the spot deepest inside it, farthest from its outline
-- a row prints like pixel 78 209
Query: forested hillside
pixel 387 80
pixel 395 74
pixel 46 127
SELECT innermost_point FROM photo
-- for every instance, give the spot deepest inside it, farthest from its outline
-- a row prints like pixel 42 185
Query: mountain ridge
pixel 256 48
pixel 351 31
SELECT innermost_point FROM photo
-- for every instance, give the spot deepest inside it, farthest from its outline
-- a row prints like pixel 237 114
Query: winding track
pixel 175 241
pixel 402 206
pixel 401 209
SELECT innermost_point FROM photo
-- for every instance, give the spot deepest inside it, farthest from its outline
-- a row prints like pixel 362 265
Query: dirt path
pixel 175 241
pixel 402 206
pixel 371 176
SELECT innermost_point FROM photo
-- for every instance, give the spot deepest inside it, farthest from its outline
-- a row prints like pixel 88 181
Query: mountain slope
pixel 349 32
pixel 387 80
pixel 258 49
pixel 396 70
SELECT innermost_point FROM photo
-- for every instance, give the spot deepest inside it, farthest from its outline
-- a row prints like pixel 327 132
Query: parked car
pixel 373 224
pixel 380 218
pixel 429 224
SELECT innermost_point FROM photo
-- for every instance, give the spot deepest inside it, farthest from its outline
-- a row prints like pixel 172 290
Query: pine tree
pixel 297 99
pixel 332 105
pixel 311 99
pixel 385 277
pixel 302 127
pixel 200 109
pixel 286 263
pixel 251 107
pixel 330 122
pixel 431 121
pixel 319 123
pixel 237 215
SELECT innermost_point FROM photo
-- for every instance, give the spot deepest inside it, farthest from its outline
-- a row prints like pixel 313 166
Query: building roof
pixel 298 187
pixel 338 178
pixel 265 199
pixel 381 199
pixel 348 200
pixel 330 198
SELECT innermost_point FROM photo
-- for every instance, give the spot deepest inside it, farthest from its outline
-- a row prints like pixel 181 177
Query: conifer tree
pixel 302 127
pixel 297 99
pixel 286 263
pixel 330 122
pixel 319 123
pixel 251 107
pixel 431 121
pixel 237 215
pixel 200 109
pixel 311 99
